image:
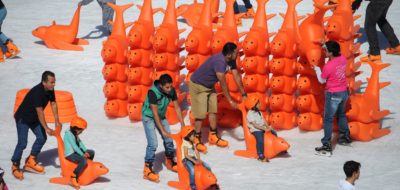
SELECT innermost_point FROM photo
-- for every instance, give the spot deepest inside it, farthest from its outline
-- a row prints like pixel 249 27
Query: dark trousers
pixel 80 160
pixel 247 4
pixel 376 14
pixel 259 135
pixel 22 130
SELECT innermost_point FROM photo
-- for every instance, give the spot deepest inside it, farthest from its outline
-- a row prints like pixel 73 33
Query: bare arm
pixel 238 80
pixel 224 86
pixel 40 113
pixel 178 112
pixel 154 109
pixel 55 113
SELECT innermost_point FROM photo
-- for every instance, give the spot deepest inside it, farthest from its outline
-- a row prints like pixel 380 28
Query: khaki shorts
pixel 203 100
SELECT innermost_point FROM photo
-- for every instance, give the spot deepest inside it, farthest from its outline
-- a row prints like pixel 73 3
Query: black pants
pixel 247 4
pixel 376 14
pixel 80 160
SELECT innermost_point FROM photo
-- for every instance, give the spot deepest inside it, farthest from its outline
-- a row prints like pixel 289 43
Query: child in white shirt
pixel 352 170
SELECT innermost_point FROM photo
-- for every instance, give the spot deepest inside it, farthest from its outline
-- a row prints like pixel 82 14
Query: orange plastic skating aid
pixel 283 120
pixel 193 61
pixel 114 72
pixel 140 75
pixel 62 37
pixel 310 103
pixel 135 111
pixel 115 90
pixel 137 93
pixel 140 58
pixel 309 85
pixel 74 181
pixel 367 131
pixel 282 102
pixel 168 61
pixel 283 84
pixel 283 66
pixel 255 83
pixel 310 121
pixel 116 108
pixel 255 65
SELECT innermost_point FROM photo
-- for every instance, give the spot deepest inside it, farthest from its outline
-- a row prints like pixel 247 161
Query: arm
pixel 355 5
pixel 197 156
pixel 55 113
pixel 185 152
pixel 224 86
pixel 178 112
pixel 40 113
pixel 258 126
pixel 70 139
pixel 238 80
pixel 154 109
pixel 319 75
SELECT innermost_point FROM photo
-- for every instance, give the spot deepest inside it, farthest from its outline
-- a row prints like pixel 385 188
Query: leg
pixel 108 13
pixel 41 138
pixel 341 115
pixel 373 13
pixel 168 142
pixel 22 131
pixel 259 135
pixel 247 4
pixel 198 99
pixel 206 165
pixel 332 102
pixel 386 28
pixel 3 37
pixel 80 160
pixel 150 130
pixel 190 168
pixel 212 109
pixel 236 8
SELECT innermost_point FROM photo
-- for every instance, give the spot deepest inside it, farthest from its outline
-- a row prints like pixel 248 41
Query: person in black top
pixel 30 115
pixel 7 47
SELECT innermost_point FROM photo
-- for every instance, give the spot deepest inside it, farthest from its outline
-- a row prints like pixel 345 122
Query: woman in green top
pixel 74 150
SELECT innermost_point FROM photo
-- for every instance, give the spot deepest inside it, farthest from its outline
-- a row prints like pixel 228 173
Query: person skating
pixel 107 12
pixel 74 149
pixel 8 48
pixel 376 14
pixel 190 155
pixel 30 115
pixel 336 96
pixel 257 125
pixel 204 97
pixel 153 118
pixel 249 9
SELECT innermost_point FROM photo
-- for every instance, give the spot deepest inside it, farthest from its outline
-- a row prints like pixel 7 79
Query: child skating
pixel 74 149
pixel 190 155
pixel 257 125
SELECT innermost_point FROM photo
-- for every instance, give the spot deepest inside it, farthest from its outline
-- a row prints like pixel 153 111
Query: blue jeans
pixel 259 135
pixel 3 38
pixel 152 143
pixel 80 160
pixel 189 165
pixel 22 130
pixel 247 4
pixel 335 104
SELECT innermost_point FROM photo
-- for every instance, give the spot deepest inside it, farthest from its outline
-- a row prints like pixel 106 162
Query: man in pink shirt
pixel 336 95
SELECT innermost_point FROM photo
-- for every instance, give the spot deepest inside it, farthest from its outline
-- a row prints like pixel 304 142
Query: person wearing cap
pixel 74 149
pixel 203 96
pixel 257 125
pixel 190 155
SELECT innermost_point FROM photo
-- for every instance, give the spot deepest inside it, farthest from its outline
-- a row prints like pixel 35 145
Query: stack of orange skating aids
pixel 227 32
pixel 283 68
pixel 255 64
pixel 114 71
pixel 365 115
pixel 65 104
pixel 310 102
pixel 166 60
pixel 140 69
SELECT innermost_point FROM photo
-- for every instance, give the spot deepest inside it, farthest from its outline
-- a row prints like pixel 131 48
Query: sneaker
pixel 373 58
pixel 394 51
pixel 74 181
pixel 199 146
pixel 32 165
pixel 213 138
pixel 344 140
pixel 263 159
pixel 171 164
pixel 249 13
pixel 16 171
pixel 149 174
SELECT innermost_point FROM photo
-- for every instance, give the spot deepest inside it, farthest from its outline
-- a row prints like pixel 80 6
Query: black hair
pixel 75 130
pixel 333 47
pixel 350 167
pixel 187 138
pixel 46 74
pixel 165 79
pixel 228 48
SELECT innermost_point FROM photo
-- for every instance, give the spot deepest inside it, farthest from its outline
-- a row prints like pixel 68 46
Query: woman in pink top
pixel 336 95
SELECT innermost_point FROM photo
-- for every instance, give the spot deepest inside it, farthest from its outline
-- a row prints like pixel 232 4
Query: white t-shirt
pixel 190 148
pixel 345 185
pixel 256 117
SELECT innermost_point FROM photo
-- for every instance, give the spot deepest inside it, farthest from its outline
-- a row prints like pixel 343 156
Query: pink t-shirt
pixel 334 72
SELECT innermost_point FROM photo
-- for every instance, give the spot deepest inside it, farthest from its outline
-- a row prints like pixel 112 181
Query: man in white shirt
pixel 352 170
